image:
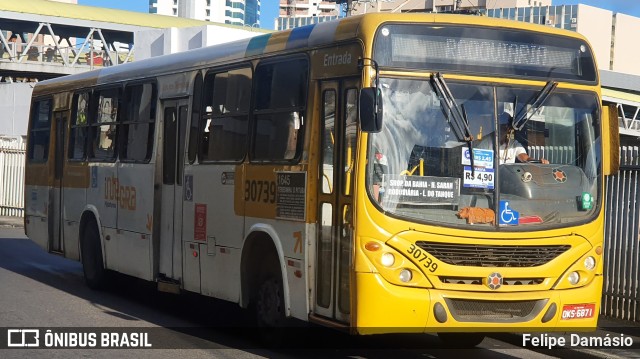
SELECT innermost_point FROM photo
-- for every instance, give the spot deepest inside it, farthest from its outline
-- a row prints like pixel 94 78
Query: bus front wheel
pixel 461 340
pixel 270 312
pixel 92 264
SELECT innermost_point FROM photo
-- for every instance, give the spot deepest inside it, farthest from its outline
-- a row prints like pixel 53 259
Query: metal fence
pixel 621 295
pixel 12 155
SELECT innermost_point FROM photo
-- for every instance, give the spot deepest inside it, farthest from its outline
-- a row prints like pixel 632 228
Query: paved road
pixel 39 290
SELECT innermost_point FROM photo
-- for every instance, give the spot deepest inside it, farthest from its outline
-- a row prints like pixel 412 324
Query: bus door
pixel 172 160
pixel 56 199
pixel 335 200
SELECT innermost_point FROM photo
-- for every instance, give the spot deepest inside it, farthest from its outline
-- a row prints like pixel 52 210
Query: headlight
pixel 589 263
pixel 387 259
pixel 405 275
pixel 574 278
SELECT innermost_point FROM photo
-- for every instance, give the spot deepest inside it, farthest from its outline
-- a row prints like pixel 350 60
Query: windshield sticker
pixel 507 215
pixel 422 189
pixel 481 158
pixel 480 178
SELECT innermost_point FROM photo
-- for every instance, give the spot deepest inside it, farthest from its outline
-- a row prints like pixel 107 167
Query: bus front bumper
pixel 382 307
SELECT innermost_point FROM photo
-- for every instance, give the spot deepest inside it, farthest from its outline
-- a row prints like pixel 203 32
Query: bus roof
pixel 306 37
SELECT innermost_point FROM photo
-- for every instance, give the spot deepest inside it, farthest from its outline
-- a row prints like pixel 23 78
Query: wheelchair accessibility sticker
pixel 507 215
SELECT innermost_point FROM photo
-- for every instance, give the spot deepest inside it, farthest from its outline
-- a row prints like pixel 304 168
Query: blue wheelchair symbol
pixel 507 215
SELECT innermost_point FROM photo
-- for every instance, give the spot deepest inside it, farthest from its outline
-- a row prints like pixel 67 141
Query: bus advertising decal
pixel 200 225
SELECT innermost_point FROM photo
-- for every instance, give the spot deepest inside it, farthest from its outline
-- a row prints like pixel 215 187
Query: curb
pixel 11 222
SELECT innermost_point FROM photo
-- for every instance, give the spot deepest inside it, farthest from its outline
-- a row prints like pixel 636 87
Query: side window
pixel 79 130
pixel 196 111
pixel 138 123
pixel 225 126
pixel 328 140
pixel 281 95
pixel 103 127
pixel 350 136
pixel 39 134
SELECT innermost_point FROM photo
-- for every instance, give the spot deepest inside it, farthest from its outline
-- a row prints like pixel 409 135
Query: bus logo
pixel 494 281
pixel 22 338
pixel 559 175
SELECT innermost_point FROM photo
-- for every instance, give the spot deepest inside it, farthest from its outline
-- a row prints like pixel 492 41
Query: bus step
pixel 169 287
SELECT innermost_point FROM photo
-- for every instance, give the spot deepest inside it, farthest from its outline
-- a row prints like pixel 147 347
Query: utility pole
pixel 456 5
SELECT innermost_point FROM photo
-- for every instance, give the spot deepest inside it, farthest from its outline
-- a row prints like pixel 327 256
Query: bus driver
pixel 510 148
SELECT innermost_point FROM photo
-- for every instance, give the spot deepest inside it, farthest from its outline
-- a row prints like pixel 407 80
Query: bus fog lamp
pixel 574 278
pixel 405 275
pixel 387 259
pixel 589 263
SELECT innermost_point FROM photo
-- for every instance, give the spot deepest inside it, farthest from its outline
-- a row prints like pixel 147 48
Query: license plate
pixel 578 311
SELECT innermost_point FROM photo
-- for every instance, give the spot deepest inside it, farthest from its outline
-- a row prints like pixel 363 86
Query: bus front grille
pixel 465 310
pixel 478 280
pixel 475 255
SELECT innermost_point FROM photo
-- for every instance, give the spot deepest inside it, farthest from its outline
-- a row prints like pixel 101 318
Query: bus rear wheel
pixel 461 340
pixel 95 274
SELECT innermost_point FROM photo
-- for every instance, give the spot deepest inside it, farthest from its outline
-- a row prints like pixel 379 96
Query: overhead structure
pixel 42 39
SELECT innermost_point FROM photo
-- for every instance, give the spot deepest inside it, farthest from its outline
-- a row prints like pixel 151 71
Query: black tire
pixel 92 264
pixel 461 340
pixel 269 311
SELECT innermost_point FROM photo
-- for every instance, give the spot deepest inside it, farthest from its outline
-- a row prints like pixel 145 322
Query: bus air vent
pixel 514 311
pixel 474 255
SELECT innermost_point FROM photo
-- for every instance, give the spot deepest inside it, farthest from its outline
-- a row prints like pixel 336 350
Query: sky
pixel 269 8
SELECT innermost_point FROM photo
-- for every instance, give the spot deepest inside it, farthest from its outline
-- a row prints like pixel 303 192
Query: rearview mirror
pixel 370 109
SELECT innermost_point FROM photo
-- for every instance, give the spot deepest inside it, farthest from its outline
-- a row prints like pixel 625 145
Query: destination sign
pixel 484 50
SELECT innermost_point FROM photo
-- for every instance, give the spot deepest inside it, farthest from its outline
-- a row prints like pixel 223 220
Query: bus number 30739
pixel 423 258
pixel 260 191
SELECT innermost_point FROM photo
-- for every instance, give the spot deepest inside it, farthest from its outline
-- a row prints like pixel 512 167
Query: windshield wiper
pixel 525 114
pixel 456 115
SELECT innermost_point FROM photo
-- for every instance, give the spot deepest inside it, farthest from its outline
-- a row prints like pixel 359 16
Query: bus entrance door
pixel 172 162
pixel 335 230
pixel 56 213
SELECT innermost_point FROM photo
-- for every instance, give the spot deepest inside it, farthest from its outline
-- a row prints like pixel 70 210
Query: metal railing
pixel 12 156
pixel 621 289
pixel 63 56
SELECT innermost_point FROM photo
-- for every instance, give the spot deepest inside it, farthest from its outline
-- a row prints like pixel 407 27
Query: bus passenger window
pixel 281 94
pixel 226 109
pixel 78 134
pixel 40 131
pixel 104 127
pixel 139 124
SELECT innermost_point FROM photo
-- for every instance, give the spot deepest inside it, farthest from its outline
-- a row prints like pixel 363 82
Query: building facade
pixel 612 35
pixel 235 12
pixel 295 13
pixel 440 5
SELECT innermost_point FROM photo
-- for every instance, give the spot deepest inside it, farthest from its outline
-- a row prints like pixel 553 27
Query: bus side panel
pixel 36 207
pixel 215 222
pixel 74 199
pixel 135 219
pixel 103 195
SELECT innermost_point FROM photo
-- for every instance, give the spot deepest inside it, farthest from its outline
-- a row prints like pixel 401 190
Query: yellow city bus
pixel 349 173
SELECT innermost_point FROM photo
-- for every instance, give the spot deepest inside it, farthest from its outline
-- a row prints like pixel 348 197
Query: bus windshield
pixel 421 171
